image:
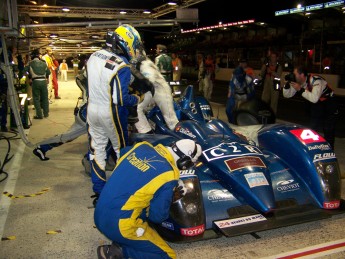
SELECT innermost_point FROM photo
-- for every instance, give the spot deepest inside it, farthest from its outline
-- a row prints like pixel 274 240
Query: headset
pixel 184 162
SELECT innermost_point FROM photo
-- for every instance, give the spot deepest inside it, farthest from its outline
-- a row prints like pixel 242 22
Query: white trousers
pixel 163 99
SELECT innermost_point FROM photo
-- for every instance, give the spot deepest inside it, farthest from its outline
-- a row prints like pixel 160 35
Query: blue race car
pixel 249 178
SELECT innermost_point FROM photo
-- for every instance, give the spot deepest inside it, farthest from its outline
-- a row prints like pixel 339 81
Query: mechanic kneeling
pixel 141 188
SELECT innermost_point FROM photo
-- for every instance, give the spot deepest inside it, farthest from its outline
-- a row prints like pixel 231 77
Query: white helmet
pixel 185 152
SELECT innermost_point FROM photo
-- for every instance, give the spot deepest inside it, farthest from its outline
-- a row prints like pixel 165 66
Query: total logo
pixel 331 205
pixel 194 231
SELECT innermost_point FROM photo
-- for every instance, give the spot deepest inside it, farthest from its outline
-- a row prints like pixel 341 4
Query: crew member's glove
pixel 141 83
pixel 179 191
pixel 140 97
pixel 95 199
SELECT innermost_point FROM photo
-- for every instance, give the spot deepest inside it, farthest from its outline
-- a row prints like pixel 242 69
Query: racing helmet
pixel 239 74
pixel 185 152
pixel 127 38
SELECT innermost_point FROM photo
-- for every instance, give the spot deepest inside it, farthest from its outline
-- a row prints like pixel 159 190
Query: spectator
pixel 63 70
pixel 326 64
pixel 75 63
pixel 209 77
pixel 39 75
pixel 48 58
pixel 109 76
pixel 323 107
pixel 177 67
pixel 140 190
pixel 55 77
pixel 201 71
pixel 270 74
pixel 163 62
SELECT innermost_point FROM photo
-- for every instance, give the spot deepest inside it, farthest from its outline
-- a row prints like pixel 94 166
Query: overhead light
pixel 33 2
pixel 146 12
pixel 36 22
pixel 95 36
pixel 123 12
pixel 65 9
pixel 53 36
pixel 172 3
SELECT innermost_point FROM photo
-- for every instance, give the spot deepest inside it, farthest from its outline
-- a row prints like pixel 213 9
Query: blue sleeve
pixel 126 99
pixel 161 202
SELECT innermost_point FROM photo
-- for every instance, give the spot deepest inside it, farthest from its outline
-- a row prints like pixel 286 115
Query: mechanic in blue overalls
pixel 241 89
pixel 141 188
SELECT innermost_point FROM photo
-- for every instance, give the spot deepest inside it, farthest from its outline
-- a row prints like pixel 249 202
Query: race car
pixel 249 178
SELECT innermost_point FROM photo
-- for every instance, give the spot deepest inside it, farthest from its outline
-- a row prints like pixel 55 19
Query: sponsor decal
pixel 239 221
pixel 194 231
pixel 185 132
pixel 307 136
pixel 287 186
pixel 256 179
pixel 320 147
pixel 331 205
pixel 187 172
pixel 205 107
pixel 324 156
pixel 216 195
pixel 232 149
pixel 168 225
pixel 142 165
pixel 244 161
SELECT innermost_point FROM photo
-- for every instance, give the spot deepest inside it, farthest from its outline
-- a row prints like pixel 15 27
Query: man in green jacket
pixel 163 62
pixel 39 75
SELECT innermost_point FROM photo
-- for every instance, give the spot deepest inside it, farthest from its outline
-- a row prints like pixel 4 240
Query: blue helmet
pixel 239 74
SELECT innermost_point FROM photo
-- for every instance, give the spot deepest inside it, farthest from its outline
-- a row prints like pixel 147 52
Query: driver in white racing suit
pixel 109 76
pixel 162 96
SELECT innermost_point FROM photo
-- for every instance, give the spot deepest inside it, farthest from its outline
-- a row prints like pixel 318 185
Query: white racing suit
pixel 108 76
pixel 162 97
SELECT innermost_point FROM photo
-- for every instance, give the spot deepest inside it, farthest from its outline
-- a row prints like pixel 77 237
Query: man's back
pixel 164 64
pixel 102 67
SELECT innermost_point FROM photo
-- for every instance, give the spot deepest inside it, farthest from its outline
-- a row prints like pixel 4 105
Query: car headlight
pixel 329 169
pixel 191 208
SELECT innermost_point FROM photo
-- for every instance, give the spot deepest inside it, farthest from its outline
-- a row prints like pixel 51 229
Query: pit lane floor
pixel 50 214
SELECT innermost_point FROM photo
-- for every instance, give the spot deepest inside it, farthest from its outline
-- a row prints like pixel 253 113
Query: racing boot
pixel 40 154
pixel 113 251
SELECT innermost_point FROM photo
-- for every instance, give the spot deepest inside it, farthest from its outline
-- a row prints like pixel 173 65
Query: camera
pixel 290 77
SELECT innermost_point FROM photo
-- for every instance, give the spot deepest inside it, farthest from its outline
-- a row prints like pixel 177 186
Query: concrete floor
pixel 51 213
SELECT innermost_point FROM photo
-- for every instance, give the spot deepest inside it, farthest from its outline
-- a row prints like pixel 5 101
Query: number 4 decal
pixel 307 136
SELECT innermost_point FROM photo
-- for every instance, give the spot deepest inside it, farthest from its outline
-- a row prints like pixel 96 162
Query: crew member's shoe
pixel 40 154
pixel 57 97
pixel 37 118
pixel 4 128
pixel 113 251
